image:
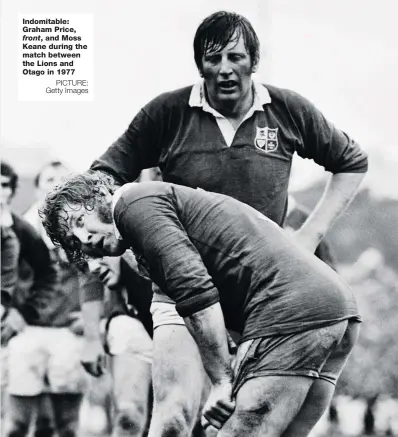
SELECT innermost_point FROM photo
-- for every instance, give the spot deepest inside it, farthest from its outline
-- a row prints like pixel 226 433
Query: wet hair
pixel 54 164
pixel 8 170
pixel 81 190
pixel 219 29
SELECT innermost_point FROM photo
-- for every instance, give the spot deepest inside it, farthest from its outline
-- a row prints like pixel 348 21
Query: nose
pixel 225 67
pixel 83 236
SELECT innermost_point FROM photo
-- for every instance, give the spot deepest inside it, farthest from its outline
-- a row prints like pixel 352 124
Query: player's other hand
pixel 12 325
pixel 76 322
pixel 93 357
pixel 219 405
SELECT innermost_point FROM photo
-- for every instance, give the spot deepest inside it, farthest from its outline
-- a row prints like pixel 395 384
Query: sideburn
pixel 104 210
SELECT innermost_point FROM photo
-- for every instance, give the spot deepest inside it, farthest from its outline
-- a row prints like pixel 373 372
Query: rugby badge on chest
pixel 266 139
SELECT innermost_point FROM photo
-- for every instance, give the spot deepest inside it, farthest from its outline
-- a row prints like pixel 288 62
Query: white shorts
pixel 44 359
pixel 163 310
pixel 127 335
pixel 165 313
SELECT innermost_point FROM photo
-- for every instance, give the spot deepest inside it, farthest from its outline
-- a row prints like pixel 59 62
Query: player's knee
pixel 130 421
pixel 176 421
pixel 18 429
pixel 251 419
pixel 176 426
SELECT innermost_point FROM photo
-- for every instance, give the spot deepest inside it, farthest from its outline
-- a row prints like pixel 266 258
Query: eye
pixel 236 57
pixel 80 221
pixel 212 59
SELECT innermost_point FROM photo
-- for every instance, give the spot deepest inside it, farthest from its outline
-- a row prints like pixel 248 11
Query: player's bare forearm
pixel 338 194
pixel 207 327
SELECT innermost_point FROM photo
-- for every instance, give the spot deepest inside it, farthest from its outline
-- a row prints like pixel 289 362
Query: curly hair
pixel 81 190
pixel 219 29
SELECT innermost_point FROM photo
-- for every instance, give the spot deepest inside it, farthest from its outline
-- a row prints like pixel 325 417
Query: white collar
pixel 116 196
pixel 198 98
pixel 6 217
pixel 291 204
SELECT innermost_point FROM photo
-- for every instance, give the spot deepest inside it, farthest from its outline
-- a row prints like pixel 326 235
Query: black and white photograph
pixel 199 218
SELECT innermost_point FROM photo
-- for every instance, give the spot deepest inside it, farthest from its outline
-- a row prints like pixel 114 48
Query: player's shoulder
pixel 138 190
pixel 171 99
pixel 286 97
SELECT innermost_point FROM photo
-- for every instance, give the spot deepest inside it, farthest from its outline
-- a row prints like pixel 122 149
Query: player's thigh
pixel 322 389
pixel 178 373
pixel 266 405
pixel 315 404
pixel 131 360
pixel 131 380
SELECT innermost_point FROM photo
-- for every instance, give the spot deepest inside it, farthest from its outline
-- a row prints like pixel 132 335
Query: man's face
pixel 6 191
pixel 94 230
pixel 50 177
pixel 227 73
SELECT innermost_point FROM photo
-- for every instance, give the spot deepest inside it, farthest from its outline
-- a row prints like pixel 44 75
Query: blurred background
pixel 342 55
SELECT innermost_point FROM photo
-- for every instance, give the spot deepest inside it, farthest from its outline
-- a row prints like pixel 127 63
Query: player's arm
pixel 92 304
pixel 208 330
pixel 338 194
pixel 135 150
pixel 337 153
pixel 154 228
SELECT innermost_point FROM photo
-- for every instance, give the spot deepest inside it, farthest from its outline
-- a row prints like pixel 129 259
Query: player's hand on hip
pixel 93 357
pixel 305 241
pixel 219 405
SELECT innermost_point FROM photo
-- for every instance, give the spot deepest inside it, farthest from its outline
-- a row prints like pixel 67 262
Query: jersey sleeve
pixel 9 264
pixel 152 227
pixel 323 142
pixel 137 149
pixel 44 288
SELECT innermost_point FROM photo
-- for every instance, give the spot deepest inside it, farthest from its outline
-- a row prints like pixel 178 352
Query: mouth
pixel 100 244
pixel 228 85
pixel 98 248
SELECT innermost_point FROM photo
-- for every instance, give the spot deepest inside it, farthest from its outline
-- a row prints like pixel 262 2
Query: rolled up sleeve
pixel 152 227
pixel 323 142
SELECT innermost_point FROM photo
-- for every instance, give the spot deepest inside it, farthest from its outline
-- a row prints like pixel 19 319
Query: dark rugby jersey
pixel 189 148
pixel 201 248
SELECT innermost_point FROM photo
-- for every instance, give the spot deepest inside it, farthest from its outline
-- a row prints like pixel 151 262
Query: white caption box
pixel 55 57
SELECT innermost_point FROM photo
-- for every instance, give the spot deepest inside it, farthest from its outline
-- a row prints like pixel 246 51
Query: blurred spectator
pixel 126 338
pixel 22 305
pixel 45 356
pixel 9 275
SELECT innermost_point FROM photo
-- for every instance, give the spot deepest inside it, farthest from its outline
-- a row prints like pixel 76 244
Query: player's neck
pixel 236 111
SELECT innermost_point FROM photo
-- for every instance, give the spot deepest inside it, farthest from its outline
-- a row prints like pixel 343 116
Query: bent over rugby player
pixel 226 266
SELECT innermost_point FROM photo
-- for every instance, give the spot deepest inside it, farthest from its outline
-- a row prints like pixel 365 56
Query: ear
pixel 105 192
pixel 254 67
